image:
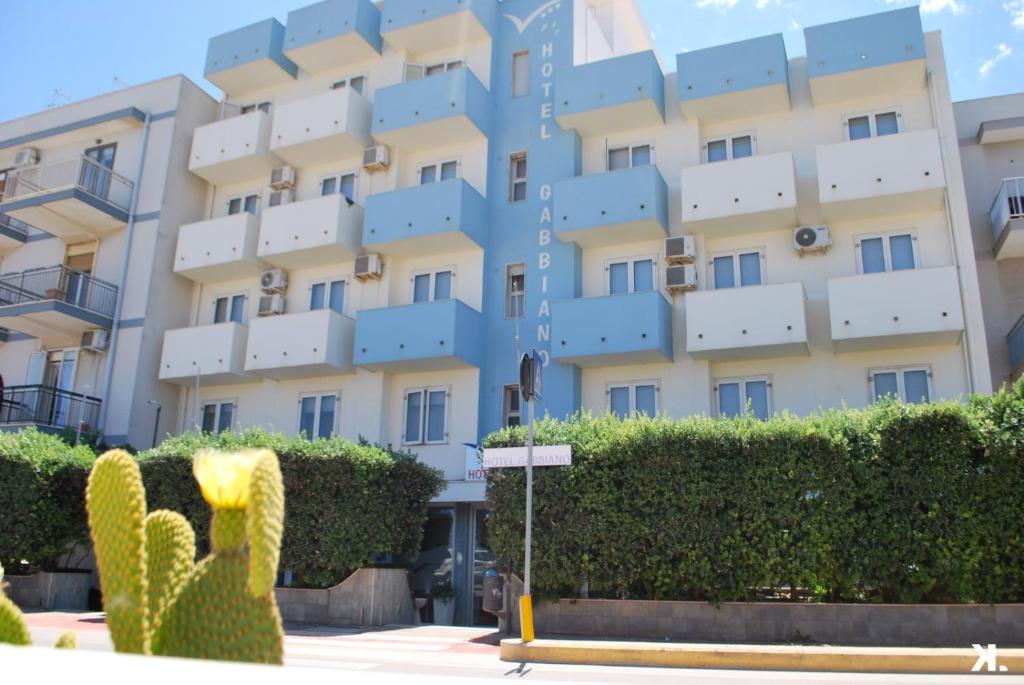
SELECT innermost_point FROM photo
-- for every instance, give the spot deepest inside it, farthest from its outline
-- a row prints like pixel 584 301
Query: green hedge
pixel 344 502
pixel 42 497
pixel 894 503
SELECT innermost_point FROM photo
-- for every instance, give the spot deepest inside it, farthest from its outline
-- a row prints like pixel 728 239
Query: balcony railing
pixel 42 405
pixel 59 283
pixel 13 228
pixel 82 173
pixel 1008 205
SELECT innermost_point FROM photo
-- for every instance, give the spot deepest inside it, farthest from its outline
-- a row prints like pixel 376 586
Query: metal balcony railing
pixel 12 225
pixel 42 405
pixel 79 172
pixel 59 283
pixel 1009 204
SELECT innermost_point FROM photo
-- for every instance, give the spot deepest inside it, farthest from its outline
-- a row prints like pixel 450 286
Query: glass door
pixel 482 558
pixel 79 259
pixel 59 375
pixel 436 560
pixel 96 176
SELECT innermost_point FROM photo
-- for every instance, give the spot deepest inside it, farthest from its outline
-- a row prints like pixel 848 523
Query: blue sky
pixel 57 51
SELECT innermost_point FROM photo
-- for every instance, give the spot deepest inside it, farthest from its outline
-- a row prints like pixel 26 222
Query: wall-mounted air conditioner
pixel 283 178
pixel 680 250
pixel 271 305
pixel 26 156
pixel 807 239
pixel 274 281
pixel 681 279
pixel 376 158
pixel 281 197
pixel 368 266
pixel 95 340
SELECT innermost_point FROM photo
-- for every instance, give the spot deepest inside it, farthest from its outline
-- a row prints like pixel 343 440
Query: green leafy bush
pixel 42 497
pixel 901 503
pixel 345 502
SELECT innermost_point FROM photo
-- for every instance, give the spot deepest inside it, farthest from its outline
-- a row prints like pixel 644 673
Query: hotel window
pixel 510 413
pixel 626 399
pixel 734 394
pixel 886 252
pixel 249 109
pixel 515 290
pixel 443 171
pixel 244 203
pixel 426 416
pixel 731 147
pixel 339 183
pixel 356 83
pixel 629 156
pixel 432 286
pixel 738 269
pixel 317 415
pixel 517 177
pixel 229 308
pixel 327 295
pixel 883 123
pixel 909 384
pixel 218 416
pixel 521 74
pixel 414 72
pixel 631 276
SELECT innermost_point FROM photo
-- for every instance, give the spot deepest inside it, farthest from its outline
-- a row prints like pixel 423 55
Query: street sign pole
pixel 529 375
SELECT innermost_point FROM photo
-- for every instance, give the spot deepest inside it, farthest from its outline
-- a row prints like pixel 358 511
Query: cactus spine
pixel 13 630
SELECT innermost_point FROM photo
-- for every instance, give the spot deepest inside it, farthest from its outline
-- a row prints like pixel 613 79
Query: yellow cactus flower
pixel 224 477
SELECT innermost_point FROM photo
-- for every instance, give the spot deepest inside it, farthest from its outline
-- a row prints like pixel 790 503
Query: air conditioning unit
pixel 26 156
pixel 274 281
pixel 271 305
pixel 281 197
pixel 95 340
pixel 368 266
pixel 376 158
pixel 681 278
pixel 680 250
pixel 807 239
pixel 283 178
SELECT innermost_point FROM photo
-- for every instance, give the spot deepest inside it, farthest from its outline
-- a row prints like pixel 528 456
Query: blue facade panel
pixel 331 19
pixel 262 40
pixel 865 42
pixel 444 334
pixel 425 211
pixel 400 14
pixel 614 198
pixel 723 69
pixel 610 82
pixel 615 329
pixel 435 98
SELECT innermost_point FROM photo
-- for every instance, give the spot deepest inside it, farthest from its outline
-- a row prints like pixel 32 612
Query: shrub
pixel 42 497
pixel 345 502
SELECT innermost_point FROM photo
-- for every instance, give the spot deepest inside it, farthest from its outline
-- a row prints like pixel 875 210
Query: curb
pixel 754 657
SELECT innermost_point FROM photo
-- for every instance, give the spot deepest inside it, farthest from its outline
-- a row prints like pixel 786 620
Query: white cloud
pixel 794 25
pixel 1016 11
pixel 717 4
pixel 1002 52
pixel 761 4
pixel 933 6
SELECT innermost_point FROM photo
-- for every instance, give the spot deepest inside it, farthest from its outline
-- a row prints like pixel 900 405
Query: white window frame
pixel 735 254
pixel 326 283
pixel 447 65
pixel 241 202
pixel 338 84
pixel 886 248
pixel 230 298
pixel 233 401
pixel 337 178
pixel 508 290
pixel 871 115
pixel 608 149
pixel 506 409
pixel 423 413
pixel 900 384
pixel 336 394
pixel 742 381
pixel 728 138
pixel 632 385
pixel 265 106
pixel 437 173
pixel 514 180
pixel 433 282
pixel 529 58
pixel 631 261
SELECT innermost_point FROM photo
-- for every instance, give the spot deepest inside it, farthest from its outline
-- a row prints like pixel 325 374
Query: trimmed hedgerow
pixel 899 503
pixel 344 502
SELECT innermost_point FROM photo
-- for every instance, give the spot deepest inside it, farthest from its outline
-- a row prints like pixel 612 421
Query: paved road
pixel 464 655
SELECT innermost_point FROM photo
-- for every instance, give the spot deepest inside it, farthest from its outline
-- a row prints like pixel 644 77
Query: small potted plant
pixel 444 602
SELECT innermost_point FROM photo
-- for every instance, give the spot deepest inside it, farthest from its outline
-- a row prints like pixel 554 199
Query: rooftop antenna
pixel 59 98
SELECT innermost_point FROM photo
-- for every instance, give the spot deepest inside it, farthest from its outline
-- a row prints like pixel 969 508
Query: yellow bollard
pixel 526 617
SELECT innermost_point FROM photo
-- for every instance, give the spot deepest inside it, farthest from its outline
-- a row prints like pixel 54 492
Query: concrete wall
pixel 369 597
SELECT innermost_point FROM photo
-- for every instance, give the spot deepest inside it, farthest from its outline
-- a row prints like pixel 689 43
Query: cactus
pixel 13 630
pixel 66 641
pixel 170 557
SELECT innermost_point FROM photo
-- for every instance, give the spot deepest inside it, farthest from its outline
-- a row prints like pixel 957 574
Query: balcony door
pixel 58 379
pixel 96 176
pixel 80 259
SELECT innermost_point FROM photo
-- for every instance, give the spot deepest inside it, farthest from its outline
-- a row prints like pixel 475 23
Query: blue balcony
pixel 249 58
pixel 621 206
pixel 417 26
pixel 332 34
pixel 616 94
pixel 747 78
pixel 435 218
pixel 452 108
pixel 427 336
pixel 872 55
pixel 613 330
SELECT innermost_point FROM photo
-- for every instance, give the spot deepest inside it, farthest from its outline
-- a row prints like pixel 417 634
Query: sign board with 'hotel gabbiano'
pixel 515 457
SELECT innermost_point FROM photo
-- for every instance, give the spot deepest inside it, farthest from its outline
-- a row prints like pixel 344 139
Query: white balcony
pixel 747 323
pixel 895 309
pixel 215 354
pixel 316 232
pixel 304 345
pixel 1007 217
pixel 220 249
pixel 745 195
pixel 325 127
pixel 873 177
pixel 233 149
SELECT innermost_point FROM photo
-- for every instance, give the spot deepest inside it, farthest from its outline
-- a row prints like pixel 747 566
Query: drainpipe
pixel 115 329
